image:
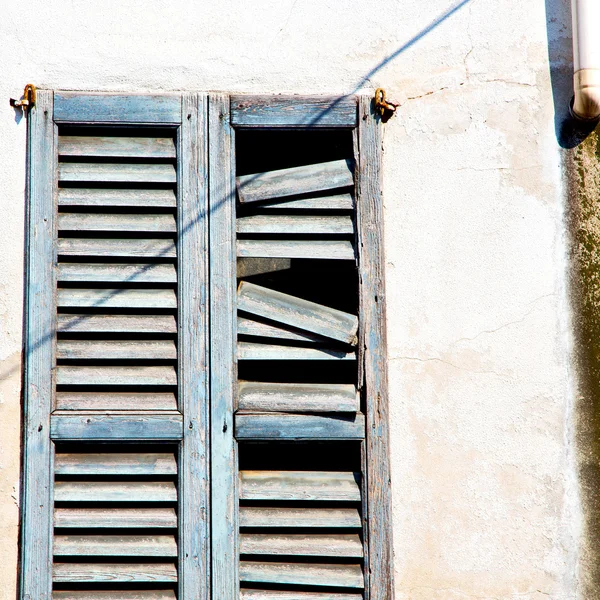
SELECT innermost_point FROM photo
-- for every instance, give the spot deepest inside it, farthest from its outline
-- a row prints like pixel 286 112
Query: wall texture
pixel 484 389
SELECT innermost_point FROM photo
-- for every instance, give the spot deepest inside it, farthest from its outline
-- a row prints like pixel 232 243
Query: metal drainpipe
pixel 586 58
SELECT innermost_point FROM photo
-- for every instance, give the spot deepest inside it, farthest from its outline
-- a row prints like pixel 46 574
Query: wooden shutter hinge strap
pixel 383 107
pixel 28 99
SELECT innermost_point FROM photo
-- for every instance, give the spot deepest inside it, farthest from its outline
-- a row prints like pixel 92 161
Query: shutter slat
pixel 347 545
pixel 251 351
pixel 295 181
pixel 117 272
pixel 321 249
pixel 149 248
pixel 299 485
pixel 76 375
pixel 256 328
pixel 116 349
pixel 116 222
pixel 297 312
pixel 116 197
pixel 83 323
pixel 258 516
pixel 116 298
pixel 118 147
pixel 117 172
pixel 115 517
pixel 113 573
pixel 295 224
pixel 297 397
pixel 113 595
pixel 302 574
pixel 115 464
pixel 115 545
pixel 335 202
pixel 247 594
pixel 84 401
pixel 117 491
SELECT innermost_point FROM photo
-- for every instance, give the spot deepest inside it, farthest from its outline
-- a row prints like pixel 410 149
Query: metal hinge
pixel 28 99
pixel 383 107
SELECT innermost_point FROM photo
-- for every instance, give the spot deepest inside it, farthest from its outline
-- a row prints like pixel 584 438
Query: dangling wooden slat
pixel 321 249
pixel 116 197
pixel 335 202
pixel 295 224
pixel 89 323
pixel 117 172
pixel 300 544
pixel 115 464
pixel 112 594
pixel 113 573
pixel 110 401
pixel 115 545
pixel 76 375
pixel 77 221
pixel 150 248
pixel 132 518
pixel 302 574
pixel 297 312
pixel 259 516
pixel 256 328
pixel 115 491
pixel 117 272
pixel 116 349
pixel 295 181
pixel 118 147
pixel 251 351
pixel 299 485
pixel 116 298
pixel 297 397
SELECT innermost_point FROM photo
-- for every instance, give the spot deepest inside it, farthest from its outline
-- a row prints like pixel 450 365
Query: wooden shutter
pixel 298 389
pixel 115 480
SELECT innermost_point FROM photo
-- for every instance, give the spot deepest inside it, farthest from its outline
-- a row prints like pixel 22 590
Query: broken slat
pixel 116 349
pixel 297 312
pixel 116 298
pixel 89 323
pixel 115 517
pixel 302 574
pixel 115 491
pixel 295 224
pixel 251 351
pixel 77 572
pixel 111 594
pixel 150 248
pixel 76 375
pixel 117 147
pixel 247 267
pixel 295 181
pixel 300 544
pixel 117 172
pixel 117 272
pixel 106 401
pixel 335 202
pixel 115 464
pixel 77 221
pixel 256 328
pixel 297 397
pixel 248 594
pixel 299 485
pixel 116 197
pixel 114 545
pixel 318 249
pixel 299 427
pixel 259 516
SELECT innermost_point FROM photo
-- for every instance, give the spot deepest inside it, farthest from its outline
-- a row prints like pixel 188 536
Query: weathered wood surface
pixel 116 146
pixel 259 516
pixel 131 518
pixel 115 545
pixel 295 224
pixel 150 248
pixel 116 172
pixel 321 249
pixel 299 485
pixel 256 328
pixel 116 298
pixel 293 111
pixel 295 181
pixel 111 401
pixel 111 463
pixel 297 397
pixel 78 375
pixel 115 491
pixel 117 272
pixel 302 574
pixel 76 107
pixel 89 323
pixel 258 266
pixel 116 427
pixel 116 349
pixel 301 544
pixel 148 198
pixel 77 221
pixel 299 427
pixel 297 312
pixel 113 573
pixel 248 594
pixel 317 249
pixel 251 351
pixel 331 202
pixel 114 595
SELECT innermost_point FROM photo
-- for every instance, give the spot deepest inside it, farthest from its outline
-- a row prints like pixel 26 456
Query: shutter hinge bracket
pixel 383 107
pixel 28 99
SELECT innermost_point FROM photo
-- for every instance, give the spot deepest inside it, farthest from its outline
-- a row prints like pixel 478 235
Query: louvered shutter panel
pixel 115 453
pixel 294 514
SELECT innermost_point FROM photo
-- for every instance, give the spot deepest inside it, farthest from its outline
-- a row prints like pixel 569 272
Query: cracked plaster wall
pixel 485 488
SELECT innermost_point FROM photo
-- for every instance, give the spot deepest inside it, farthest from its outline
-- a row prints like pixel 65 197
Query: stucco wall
pixel 486 493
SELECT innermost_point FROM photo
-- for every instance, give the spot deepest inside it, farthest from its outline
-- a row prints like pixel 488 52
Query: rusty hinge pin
pixel 28 99
pixel 383 107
